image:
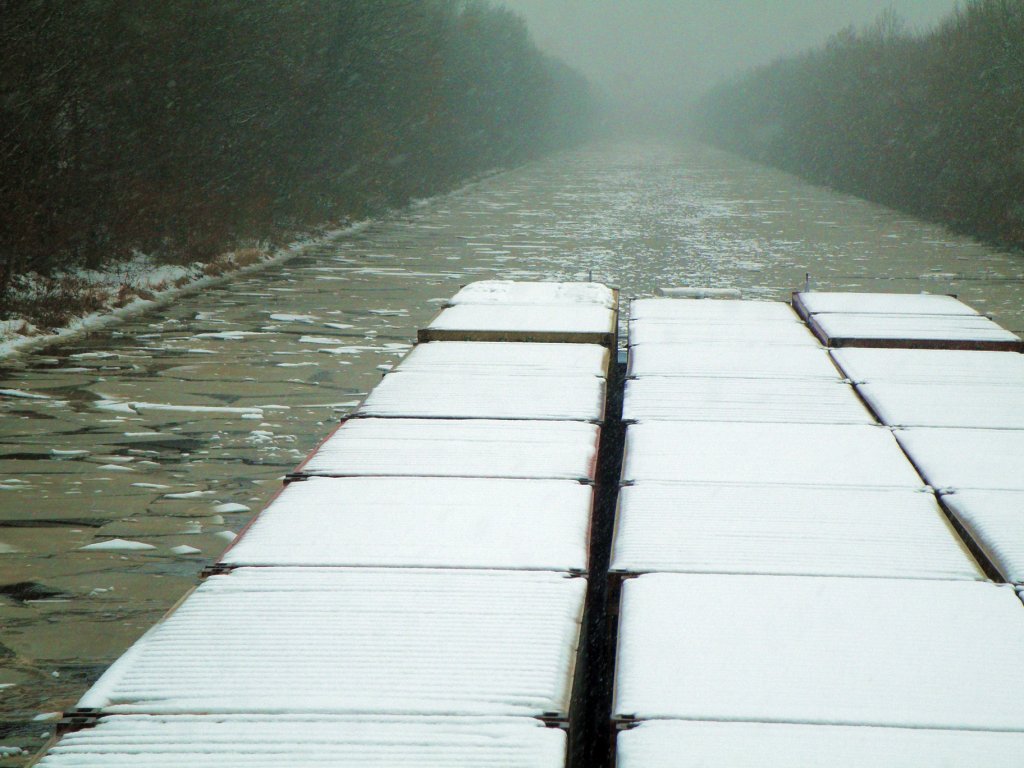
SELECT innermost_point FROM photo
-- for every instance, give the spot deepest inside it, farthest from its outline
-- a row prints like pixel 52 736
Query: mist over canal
pixel 174 428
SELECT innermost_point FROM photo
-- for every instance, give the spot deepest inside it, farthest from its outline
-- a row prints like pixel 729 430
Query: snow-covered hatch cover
pixel 835 651
pixel 450 394
pixel 809 401
pixel 967 458
pixel 431 522
pixel 471 358
pixel 265 741
pixel 816 302
pixel 681 744
pixel 769 454
pixel 458 448
pixel 356 641
pixel 705 311
pixel 669 331
pixel 972 405
pixel 732 360
pixel 949 331
pixel 581 323
pixel 512 292
pixel 931 366
pixel 995 519
pixel 786 530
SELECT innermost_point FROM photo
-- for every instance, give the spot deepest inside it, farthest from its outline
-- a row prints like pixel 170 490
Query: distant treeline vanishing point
pixel 932 124
pixel 177 127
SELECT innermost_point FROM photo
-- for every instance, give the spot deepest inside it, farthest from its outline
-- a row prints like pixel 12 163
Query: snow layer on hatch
pixel 356 641
pixel 836 651
pixel 511 292
pixel 722 399
pixel 459 448
pixel 932 366
pixel 769 454
pixel 449 394
pixel 754 334
pixel 952 328
pixel 503 358
pixel 906 404
pixel 967 458
pixel 684 744
pixel 786 530
pixel 535 318
pixel 995 519
pixel 712 311
pixel 422 521
pixel 260 741
pixel 732 360
pixel 883 303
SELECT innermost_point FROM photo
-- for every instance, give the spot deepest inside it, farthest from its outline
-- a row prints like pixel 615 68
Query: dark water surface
pixel 173 428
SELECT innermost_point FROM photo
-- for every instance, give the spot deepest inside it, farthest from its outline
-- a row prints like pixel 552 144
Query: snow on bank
pixel 162 284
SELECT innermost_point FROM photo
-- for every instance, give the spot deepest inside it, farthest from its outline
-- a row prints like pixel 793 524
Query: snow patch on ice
pixel 116 545
pixel 188 495
pixel 283 317
pixel 23 394
pixel 260 437
pixel 231 507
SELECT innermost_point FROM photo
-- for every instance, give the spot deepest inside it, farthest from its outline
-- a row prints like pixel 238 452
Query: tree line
pixel 178 128
pixel 929 123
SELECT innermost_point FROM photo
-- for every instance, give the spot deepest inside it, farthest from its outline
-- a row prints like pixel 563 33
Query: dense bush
pixel 929 123
pixel 179 127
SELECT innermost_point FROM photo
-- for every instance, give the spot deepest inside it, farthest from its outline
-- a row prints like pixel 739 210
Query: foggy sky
pixel 650 51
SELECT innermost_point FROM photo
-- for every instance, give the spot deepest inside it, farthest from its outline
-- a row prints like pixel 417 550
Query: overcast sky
pixel 652 49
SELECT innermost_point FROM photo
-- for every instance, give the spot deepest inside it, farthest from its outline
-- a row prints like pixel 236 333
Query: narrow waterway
pixel 172 429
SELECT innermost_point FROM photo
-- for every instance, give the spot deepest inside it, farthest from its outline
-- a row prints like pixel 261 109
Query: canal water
pixel 172 429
